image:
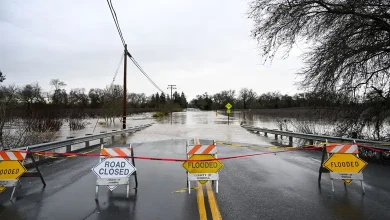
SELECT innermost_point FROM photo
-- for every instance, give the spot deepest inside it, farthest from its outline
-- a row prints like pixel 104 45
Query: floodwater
pixel 182 125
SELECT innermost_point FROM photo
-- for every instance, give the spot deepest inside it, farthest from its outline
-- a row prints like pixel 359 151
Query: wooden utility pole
pixel 172 87
pixel 124 90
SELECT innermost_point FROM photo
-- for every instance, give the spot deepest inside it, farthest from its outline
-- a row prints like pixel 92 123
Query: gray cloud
pixel 201 46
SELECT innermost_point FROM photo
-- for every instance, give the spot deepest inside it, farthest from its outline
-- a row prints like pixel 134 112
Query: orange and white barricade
pixel 199 149
pixel 342 163
pixel 115 168
pixel 12 168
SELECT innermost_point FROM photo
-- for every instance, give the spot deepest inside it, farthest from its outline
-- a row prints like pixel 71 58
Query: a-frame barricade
pixel 19 159
pixel 117 152
pixel 328 151
pixel 197 149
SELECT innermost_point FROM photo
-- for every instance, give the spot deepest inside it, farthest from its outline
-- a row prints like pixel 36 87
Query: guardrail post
pixel 113 138
pixel 290 140
pixel 276 136
pixel 102 139
pixel 69 147
pixel 265 134
pixel 311 141
pixel 87 142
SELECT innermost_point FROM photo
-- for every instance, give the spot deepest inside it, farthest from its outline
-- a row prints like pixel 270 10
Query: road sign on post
pixel 228 107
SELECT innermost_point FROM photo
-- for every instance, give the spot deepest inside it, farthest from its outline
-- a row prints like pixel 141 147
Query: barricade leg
pixel 127 190
pixel 322 162
pixel 96 192
pixel 135 172
pixel 189 187
pixel 361 182
pixel 216 187
pixel 13 192
pixel 332 186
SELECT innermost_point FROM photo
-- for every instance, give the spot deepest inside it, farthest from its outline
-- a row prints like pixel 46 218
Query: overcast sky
pixel 198 45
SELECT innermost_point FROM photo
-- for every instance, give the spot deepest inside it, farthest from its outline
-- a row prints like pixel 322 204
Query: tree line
pixel 249 99
pixel 32 96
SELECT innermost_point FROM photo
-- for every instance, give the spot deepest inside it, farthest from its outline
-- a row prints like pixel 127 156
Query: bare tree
pixel 29 94
pixel 247 96
pixel 8 101
pixel 350 45
pixel 2 77
pixel 350 39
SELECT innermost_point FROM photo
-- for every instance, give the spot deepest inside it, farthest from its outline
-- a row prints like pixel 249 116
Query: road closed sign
pixel 196 165
pixel 114 168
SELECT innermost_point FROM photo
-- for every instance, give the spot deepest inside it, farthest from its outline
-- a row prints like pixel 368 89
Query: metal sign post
pixel 228 107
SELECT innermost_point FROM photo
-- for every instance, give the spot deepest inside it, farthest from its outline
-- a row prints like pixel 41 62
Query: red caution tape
pixel 165 159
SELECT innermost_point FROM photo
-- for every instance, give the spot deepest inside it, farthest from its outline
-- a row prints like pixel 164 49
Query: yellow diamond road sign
pixel 228 111
pixel 228 106
pixel 345 163
pixel 212 166
pixel 11 169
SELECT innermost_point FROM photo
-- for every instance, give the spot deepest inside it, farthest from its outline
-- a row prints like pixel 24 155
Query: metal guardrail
pixel 314 137
pixel 89 137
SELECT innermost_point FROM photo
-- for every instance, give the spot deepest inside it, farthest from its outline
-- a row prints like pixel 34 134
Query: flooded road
pixel 276 185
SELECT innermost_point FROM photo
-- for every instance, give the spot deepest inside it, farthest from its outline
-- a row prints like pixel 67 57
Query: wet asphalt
pixel 273 186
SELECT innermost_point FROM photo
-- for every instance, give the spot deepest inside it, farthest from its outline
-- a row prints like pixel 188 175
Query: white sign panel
pixel 114 168
pixel 112 182
pixel 8 183
pixel 203 176
pixel 347 176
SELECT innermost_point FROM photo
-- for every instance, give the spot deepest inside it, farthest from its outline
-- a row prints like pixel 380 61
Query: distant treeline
pixel 110 99
pixel 248 99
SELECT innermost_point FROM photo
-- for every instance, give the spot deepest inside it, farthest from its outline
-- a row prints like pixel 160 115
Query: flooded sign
pixel 345 163
pixel 114 168
pixel 345 166
pixel 11 169
pixel 195 166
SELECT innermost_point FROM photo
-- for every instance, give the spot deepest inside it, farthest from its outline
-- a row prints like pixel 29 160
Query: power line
pixel 113 13
pixel 117 70
pixel 143 72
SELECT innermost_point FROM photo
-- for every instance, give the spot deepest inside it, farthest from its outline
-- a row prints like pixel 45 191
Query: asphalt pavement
pixel 272 186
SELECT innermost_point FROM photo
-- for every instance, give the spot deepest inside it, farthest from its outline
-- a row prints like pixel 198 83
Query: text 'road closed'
pixel 114 168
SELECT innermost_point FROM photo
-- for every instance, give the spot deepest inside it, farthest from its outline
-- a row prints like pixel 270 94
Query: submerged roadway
pixel 272 186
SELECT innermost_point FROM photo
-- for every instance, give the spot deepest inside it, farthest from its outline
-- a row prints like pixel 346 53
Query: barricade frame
pixel 125 179
pixel 213 182
pixel 325 170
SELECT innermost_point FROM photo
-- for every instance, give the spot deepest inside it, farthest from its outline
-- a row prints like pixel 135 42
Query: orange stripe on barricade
pixel 119 152
pixel 342 148
pixel 19 156
pixel 208 149
pixel 194 149
pixel 4 155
